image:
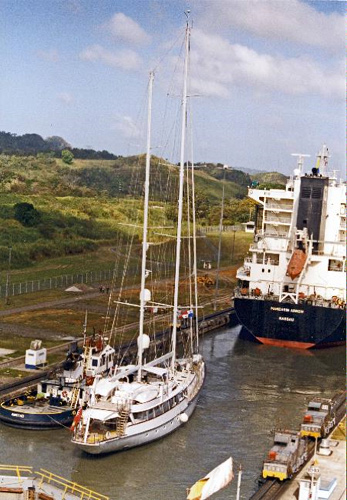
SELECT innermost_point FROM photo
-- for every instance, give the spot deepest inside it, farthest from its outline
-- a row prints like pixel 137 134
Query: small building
pixel 249 226
pixel 206 264
pixel 36 356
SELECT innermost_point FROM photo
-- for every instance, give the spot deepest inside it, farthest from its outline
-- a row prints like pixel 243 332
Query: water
pixel 250 389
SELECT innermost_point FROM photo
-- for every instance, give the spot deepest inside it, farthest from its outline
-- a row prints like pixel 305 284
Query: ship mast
pixel 145 229
pixel 322 160
pixel 180 193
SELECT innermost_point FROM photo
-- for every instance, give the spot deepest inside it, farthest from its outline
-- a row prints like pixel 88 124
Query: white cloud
pixel 49 55
pixel 125 59
pixel 65 97
pixel 126 30
pixel 221 65
pixel 126 126
pixel 289 20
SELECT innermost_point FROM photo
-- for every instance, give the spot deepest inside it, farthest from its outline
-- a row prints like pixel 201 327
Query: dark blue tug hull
pixel 303 326
pixel 49 419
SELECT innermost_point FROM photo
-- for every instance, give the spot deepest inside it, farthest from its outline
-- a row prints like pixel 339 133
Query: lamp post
pixel 219 243
pixel 7 301
pixel 233 244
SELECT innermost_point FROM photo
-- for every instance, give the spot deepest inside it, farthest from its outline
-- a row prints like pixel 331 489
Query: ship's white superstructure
pixel 322 276
pixel 292 284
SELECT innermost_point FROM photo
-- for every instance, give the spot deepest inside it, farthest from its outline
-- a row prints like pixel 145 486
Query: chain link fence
pixel 216 229
pixel 61 282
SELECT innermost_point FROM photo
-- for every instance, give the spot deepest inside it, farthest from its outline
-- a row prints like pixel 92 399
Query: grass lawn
pixel 67 320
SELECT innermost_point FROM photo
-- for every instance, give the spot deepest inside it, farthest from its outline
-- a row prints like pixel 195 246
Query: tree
pixel 57 143
pixel 67 156
pixel 26 214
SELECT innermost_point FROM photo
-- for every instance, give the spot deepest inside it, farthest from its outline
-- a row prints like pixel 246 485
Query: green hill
pixel 49 208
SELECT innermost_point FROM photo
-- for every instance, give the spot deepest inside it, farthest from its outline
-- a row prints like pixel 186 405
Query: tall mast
pixel 145 227
pixel 180 195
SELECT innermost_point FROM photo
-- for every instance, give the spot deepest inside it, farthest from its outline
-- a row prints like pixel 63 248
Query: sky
pixel 267 77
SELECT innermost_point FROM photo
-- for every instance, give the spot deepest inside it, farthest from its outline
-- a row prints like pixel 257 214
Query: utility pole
pixel 7 300
pixel 233 245
pixel 219 243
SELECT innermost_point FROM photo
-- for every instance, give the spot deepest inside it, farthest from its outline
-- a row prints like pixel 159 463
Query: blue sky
pixel 268 75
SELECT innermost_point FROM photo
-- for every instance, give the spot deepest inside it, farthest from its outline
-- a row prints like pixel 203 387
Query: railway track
pixel 268 491
pixel 16 386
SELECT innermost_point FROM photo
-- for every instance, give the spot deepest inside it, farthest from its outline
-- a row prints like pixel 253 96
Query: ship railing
pixel 279 206
pixel 252 294
pixel 68 486
pixel 333 303
pixel 282 236
pixel 272 234
pixel 273 218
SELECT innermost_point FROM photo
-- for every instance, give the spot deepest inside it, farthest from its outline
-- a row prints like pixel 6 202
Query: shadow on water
pixel 250 389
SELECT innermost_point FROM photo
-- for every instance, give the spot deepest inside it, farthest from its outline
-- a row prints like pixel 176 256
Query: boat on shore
pixel 146 401
pixel 292 286
pixel 54 401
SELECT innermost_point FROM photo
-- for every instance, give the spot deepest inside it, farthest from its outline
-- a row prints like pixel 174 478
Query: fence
pixel 64 281
pixel 88 277
pixel 216 229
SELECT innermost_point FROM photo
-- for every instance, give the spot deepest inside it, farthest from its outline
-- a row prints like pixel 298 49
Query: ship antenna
pixel 301 157
pixel 322 160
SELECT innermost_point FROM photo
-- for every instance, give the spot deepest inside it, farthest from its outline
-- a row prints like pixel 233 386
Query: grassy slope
pixel 87 205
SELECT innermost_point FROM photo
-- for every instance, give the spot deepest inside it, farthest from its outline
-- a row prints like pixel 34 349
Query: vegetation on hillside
pixel 13 144
pixel 55 206
pixel 270 180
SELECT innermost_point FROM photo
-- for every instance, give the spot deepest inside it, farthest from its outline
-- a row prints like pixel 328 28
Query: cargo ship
pixel 291 288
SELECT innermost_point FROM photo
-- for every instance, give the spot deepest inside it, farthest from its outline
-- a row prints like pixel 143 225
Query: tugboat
pixel 291 289
pixel 55 401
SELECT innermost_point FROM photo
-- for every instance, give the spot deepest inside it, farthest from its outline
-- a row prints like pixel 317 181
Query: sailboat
pixel 145 401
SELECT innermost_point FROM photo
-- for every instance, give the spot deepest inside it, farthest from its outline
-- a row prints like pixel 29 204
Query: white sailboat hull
pixel 154 429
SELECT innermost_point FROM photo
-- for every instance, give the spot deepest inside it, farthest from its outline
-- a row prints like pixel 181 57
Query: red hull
pixel 285 343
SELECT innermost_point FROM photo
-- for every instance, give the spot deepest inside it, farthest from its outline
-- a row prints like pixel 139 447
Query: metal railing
pixel 56 282
pixel 215 229
pixel 279 206
pixel 68 486
pixel 44 476
pixel 18 469
pixel 271 217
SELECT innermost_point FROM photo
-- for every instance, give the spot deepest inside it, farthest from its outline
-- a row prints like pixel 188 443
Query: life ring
pixel 64 394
